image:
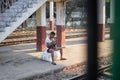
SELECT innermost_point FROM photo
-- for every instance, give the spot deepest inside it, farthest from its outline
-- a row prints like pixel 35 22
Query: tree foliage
pixel 73 6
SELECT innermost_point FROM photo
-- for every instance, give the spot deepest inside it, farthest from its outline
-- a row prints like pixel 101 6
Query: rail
pixel 84 76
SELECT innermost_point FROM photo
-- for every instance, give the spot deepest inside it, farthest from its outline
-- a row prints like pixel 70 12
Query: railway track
pixel 13 40
pixel 78 72
pixel 80 76
pixel 84 76
pixel 30 39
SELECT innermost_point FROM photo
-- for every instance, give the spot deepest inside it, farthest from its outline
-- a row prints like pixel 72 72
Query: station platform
pixel 22 61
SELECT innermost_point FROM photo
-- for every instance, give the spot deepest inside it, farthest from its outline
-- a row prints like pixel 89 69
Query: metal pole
pixel 92 30
pixel 111 18
pixel 116 36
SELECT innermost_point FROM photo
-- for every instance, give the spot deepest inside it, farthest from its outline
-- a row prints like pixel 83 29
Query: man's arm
pixel 49 44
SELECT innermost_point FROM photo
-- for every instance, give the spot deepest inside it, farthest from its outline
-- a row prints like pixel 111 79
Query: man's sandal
pixel 63 59
pixel 53 63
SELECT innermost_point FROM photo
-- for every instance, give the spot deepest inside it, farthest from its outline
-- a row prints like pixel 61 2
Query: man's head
pixel 52 34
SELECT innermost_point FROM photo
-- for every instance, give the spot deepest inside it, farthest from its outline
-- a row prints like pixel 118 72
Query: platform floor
pixel 21 61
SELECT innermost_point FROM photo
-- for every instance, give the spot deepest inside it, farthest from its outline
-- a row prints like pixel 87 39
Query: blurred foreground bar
pixel 92 29
pixel 116 35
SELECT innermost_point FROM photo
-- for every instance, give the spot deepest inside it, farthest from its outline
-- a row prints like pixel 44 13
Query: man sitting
pixel 51 47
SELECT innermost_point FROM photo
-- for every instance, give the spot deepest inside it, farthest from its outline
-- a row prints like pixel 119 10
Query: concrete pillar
pixel 60 24
pixel 101 20
pixel 111 18
pixel 51 15
pixel 41 27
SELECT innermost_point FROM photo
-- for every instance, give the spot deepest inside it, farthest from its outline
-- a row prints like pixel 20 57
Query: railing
pixel 10 9
pixel 5 4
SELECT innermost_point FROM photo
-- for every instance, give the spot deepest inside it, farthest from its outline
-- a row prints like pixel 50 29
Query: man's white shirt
pixel 47 41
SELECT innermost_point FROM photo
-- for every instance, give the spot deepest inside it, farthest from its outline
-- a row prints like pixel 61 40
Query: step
pixel 2 24
pixel 2 29
pixel 17 9
pixel 5 23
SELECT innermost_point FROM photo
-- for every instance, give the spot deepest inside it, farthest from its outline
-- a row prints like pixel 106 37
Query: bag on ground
pixel 47 56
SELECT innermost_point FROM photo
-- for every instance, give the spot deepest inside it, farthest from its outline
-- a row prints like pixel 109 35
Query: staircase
pixel 16 14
